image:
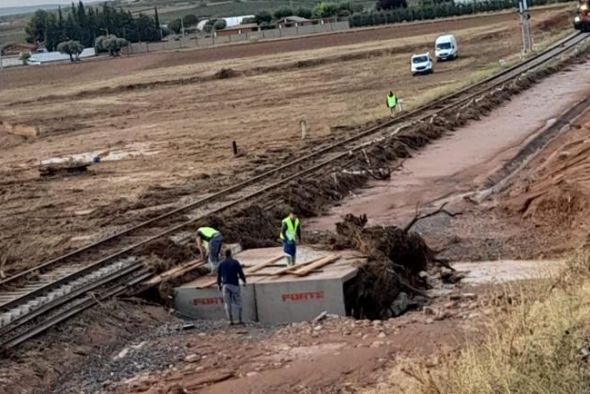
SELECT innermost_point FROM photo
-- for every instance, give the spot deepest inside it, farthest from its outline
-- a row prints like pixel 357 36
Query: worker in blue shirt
pixel 229 274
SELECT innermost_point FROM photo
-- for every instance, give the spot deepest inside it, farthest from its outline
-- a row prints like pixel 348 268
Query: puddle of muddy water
pixel 462 161
pixel 502 271
pixel 104 155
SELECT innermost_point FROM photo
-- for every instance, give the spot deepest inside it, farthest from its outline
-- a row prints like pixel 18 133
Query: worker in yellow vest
pixel 391 102
pixel 209 242
pixel 290 234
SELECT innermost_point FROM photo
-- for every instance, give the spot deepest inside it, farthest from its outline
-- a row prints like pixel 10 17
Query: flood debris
pixel 69 167
pixel 392 273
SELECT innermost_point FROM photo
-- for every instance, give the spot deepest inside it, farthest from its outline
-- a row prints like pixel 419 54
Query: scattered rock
pixel 381 335
pixel 192 358
pixel 429 321
pixel 428 311
pixel 176 389
pixel 377 344
pixel 320 317
pixel 441 315
pixel 400 304
pixel 252 373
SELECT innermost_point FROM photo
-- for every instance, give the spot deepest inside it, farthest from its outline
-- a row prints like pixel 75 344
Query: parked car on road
pixel 445 47
pixel 421 63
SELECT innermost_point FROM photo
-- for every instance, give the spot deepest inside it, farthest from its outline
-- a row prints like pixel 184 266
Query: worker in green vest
pixel 391 101
pixel 290 234
pixel 209 243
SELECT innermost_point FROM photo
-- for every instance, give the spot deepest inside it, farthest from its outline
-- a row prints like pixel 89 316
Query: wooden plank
pixel 318 264
pixel 247 271
pixel 260 266
pixel 290 269
pixel 176 271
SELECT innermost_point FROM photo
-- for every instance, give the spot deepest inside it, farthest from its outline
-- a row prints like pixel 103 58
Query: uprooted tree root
pixel 396 258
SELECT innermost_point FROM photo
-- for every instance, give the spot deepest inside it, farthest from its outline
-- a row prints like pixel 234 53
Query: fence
pixel 194 42
pixel 10 61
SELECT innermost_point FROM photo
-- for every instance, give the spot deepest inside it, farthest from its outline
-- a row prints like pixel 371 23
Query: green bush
pixel 304 13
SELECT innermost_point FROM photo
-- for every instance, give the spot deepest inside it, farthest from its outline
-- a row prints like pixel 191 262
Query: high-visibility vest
pixel 291 228
pixel 208 233
pixel 391 101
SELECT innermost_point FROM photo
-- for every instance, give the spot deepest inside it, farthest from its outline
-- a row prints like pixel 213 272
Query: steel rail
pixel 69 311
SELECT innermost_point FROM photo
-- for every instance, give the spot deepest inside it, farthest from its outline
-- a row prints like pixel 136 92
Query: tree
pixel 156 18
pixel 220 24
pixel 263 17
pixel 283 13
pixel 190 20
pixel 72 48
pixel 325 10
pixel 146 29
pixel 111 44
pixel 157 22
pixel 61 27
pixel 175 25
pixel 37 27
pixel 303 13
pixel 390 4
pixel 84 24
pixel 24 57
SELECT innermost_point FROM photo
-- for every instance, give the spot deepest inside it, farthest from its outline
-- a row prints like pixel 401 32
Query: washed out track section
pixel 35 294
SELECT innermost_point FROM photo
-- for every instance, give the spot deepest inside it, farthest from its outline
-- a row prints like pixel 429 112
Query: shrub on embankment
pixel 539 342
pixel 437 10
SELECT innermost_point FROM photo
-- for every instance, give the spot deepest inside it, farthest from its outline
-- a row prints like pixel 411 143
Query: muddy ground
pixel 163 134
pixel 128 347
pixel 138 348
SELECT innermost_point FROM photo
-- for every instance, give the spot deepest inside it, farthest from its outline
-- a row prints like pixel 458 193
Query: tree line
pixel 84 24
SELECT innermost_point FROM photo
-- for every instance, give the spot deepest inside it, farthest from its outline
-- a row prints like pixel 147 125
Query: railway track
pixel 38 298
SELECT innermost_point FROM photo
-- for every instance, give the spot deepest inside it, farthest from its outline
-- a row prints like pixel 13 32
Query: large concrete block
pixel 301 300
pixel 207 304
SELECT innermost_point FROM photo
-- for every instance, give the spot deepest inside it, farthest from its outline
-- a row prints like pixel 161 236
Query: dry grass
pixel 536 343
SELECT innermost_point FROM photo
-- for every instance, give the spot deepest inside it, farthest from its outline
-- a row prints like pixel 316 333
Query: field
pixel 472 215
pixel 163 123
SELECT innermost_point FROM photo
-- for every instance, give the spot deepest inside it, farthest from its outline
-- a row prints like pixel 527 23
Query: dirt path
pixel 462 161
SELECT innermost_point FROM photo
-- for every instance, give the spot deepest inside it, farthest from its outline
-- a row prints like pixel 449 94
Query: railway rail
pixel 40 297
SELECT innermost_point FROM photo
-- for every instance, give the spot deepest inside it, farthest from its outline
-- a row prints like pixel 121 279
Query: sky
pixel 26 3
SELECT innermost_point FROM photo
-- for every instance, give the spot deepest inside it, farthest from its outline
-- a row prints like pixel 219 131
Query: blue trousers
pixel 214 249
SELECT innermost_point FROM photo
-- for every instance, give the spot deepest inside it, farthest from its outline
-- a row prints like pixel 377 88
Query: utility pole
pixel 523 12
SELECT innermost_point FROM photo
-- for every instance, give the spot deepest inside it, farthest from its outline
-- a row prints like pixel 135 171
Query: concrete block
pixel 301 300
pixel 207 304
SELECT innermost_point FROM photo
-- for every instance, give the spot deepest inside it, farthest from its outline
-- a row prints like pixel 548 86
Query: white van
pixel 445 47
pixel 421 63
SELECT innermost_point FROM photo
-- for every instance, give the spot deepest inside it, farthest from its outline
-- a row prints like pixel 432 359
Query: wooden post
pixel 303 126
pixel 400 105
pixel 234 147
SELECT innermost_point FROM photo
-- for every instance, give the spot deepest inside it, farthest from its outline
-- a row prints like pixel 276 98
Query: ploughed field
pixel 163 123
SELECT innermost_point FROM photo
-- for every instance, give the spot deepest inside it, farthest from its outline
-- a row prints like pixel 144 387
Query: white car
pixel 445 47
pixel 421 63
